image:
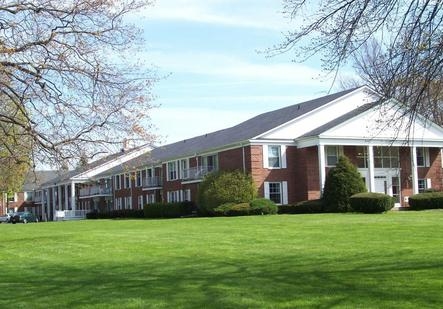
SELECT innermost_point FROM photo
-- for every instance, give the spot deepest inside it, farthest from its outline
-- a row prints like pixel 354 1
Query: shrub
pixel 225 187
pixel 371 203
pixel 431 200
pixel 341 183
pixel 114 214
pixel 305 207
pixel 168 210
pixel 263 206
pixel 241 209
pixel 223 209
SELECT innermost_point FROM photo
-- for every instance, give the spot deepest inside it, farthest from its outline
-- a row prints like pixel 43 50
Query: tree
pixel 62 67
pixel 410 34
pixel 341 183
pixel 219 188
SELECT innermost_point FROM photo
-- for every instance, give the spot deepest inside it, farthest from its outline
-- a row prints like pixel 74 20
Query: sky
pixel 214 68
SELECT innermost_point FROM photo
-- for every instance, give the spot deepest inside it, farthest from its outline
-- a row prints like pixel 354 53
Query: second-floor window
pixel 127 181
pixel 422 156
pixel 332 155
pixel 184 166
pixel 172 170
pixel 274 156
pixel 210 162
pixel 139 178
pixel 117 182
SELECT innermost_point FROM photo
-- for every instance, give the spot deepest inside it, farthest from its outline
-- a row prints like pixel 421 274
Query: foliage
pixel 116 214
pixel 431 200
pixel 62 65
pixel 341 183
pixel 371 202
pixel 263 206
pixel 304 207
pixel 326 260
pixel 407 64
pixel 168 210
pixel 225 187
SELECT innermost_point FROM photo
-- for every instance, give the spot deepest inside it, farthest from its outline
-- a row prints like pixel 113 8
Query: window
pixel 128 202
pixel 332 154
pixel 118 203
pixel 277 192
pixel 140 202
pixel 386 157
pixel 172 170
pixel 150 198
pixel 127 182
pixel 396 189
pixel 173 196
pixel 422 156
pixel 117 182
pixel 362 157
pixel 186 195
pixel 274 155
pixel 424 184
pixel 210 162
pixel 184 166
pixel 139 179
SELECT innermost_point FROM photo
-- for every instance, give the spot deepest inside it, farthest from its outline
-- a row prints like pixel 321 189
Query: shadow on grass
pixel 201 282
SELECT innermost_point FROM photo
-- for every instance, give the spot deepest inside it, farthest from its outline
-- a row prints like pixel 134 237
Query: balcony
pixel 152 182
pixel 95 191
pixel 197 173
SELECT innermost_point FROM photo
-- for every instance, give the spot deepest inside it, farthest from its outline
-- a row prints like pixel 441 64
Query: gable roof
pixel 237 134
pixel 35 179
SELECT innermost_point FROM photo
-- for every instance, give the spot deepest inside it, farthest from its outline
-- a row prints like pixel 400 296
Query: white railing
pixel 149 182
pixel 194 173
pixel 95 190
pixel 70 214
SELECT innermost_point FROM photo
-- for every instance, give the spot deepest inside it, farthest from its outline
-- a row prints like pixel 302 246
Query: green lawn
pixel 393 260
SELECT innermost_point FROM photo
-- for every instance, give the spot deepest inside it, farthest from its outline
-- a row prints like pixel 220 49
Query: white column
pixel 322 167
pixel 66 197
pixel 414 170
pixel 59 197
pixel 371 169
pixel 54 201
pixel 73 205
pixel 43 205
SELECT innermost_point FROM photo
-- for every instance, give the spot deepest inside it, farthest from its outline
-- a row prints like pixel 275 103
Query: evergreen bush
pixel 341 183
pixel 304 207
pixel 263 206
pixel 430 200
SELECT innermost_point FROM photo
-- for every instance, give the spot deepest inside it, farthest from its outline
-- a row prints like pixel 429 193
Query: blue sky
pixel 216 76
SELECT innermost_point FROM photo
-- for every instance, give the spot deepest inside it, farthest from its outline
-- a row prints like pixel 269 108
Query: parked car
pixel 23 217
pixel 5 218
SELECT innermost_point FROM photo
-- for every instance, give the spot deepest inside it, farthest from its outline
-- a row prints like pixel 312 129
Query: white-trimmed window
pixel 423 157
pixel 173 196
pixel 332 154
pixel 172 170
pixel 127 181
pixel 386 157
pixel 150 198
pixel 186 195
pixel 277 192
pixel 118 203
pixel 210 162
pixel 184 166
pixel 117 181
pixel 140 202
pixel 424 184
pixel 138 182
pixel 128 202
pixel 274 156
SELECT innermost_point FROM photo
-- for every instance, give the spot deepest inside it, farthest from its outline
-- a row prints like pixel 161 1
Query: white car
pixel 5 218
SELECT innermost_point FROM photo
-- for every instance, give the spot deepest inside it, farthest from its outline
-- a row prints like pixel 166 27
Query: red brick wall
pixel 434 171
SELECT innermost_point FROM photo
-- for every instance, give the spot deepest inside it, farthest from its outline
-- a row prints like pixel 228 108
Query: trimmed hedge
pixel 305 207
pixel 263 206
pixel 422 201
pixel 115 214
pixel 371 203
pixel 168 210
pixel 260 206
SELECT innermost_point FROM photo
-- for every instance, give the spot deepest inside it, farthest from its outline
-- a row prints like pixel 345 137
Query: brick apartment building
pixel 288 152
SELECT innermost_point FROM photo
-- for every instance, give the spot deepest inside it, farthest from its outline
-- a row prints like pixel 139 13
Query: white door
pixel 381 184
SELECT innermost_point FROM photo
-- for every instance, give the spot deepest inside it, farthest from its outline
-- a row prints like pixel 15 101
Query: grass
pixel 393 260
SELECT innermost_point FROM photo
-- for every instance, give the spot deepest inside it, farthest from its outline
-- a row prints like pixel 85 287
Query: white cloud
pixel 266 14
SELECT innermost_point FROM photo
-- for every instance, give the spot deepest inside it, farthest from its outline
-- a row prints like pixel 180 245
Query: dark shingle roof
pixel 239 133
pixel 34 179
